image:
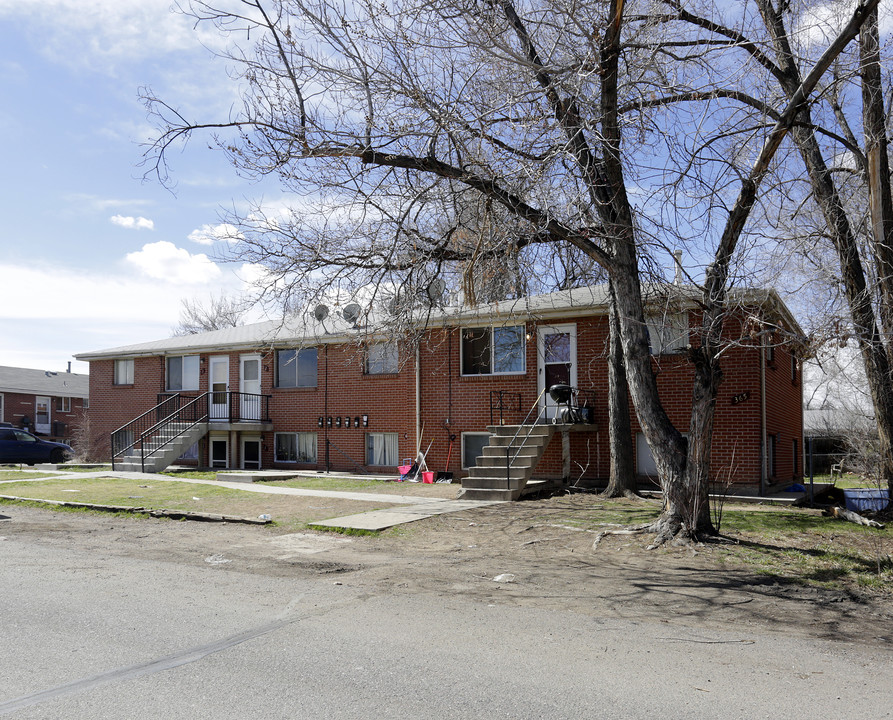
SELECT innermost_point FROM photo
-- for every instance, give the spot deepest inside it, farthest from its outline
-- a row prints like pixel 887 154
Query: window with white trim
pixel 473 444
pixel 124 372
pixel 382 359
pixel 382 449
pixel 182 372
pixel 667 333
pixel 63 404
pixel 493 350
pixel 296 368
pixel 298 447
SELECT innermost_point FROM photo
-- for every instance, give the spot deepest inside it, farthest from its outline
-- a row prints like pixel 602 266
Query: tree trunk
pixel 866 327
pixel 874 122
pixel 880 201
pixel 622 481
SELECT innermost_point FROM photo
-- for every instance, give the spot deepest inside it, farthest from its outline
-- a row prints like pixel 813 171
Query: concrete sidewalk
pixel 416 508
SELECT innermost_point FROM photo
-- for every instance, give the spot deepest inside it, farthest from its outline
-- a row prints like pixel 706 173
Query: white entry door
pixel 218 384
pixel 42 415
pixel 556 354
pixel 249 386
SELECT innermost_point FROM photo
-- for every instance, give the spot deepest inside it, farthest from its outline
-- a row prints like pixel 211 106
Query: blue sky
pixel 94 256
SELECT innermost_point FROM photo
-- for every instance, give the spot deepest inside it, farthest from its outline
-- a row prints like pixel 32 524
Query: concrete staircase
pixel 169 443
pixel 488 480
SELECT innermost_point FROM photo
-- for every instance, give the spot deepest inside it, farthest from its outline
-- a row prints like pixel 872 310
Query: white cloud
pixel 209 234
pixel 132 223
pixel 103 31
pixel 78 311
pixel 165 261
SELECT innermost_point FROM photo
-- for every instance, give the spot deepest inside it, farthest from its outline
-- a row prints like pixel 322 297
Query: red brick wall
pixel 19 406
pixel 452 404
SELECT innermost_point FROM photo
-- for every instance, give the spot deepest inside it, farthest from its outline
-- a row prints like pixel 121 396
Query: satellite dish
pixel 435 290
pixel 351 313
pixel 321 312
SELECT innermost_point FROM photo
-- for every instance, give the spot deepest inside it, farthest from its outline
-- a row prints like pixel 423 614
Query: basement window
pixel 297 447
pixel 473 445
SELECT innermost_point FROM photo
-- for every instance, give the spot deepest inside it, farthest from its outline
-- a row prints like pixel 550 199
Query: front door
pixel 218 384
pixel 556 362
pixel 250 454
pixel 219 452
pixel 42 415
pixel 249 387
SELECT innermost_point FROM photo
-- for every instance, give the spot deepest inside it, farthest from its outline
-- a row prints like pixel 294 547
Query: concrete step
pixel 525 451
pixel 516 461
pixel 519 430
pixel 495 471
pixel 482 494
pixel 493 483
pixel 508 441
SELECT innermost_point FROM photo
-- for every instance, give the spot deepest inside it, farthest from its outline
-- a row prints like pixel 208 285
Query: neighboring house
pixel 323 393
pixel 45 402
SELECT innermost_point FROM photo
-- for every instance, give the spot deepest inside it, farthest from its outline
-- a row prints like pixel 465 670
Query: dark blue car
pixel 18 446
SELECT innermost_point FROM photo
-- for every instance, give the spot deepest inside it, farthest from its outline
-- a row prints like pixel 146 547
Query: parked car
pixel 19 446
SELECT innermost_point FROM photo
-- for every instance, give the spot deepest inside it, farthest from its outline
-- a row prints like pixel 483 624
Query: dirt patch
pixel 520 554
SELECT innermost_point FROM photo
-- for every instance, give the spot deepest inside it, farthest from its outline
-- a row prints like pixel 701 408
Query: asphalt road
pixel 90 634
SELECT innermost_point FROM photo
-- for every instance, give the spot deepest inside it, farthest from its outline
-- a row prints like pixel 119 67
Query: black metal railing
pixel 504 401
pixel 233 406
pixel 176 414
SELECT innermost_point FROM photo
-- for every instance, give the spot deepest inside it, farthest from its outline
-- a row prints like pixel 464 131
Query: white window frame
pixel 189 376
pixel 493 330
pixel 466 435
pixel 292 366
pixel 123 372
pixel 668 333
pixel 375 450
pixel 303 447
pixel 382 358
pixel 63 404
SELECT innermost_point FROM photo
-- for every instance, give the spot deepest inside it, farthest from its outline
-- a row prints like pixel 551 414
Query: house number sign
pixel 740 397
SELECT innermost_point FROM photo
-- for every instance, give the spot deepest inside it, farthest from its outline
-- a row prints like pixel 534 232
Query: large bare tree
pixel 849 183
pixel 553 120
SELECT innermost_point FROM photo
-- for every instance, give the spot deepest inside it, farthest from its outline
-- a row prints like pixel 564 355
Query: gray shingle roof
pixel 307 330
pixel 44 382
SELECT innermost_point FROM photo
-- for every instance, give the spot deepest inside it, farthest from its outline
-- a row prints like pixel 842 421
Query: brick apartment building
pixel 317 394
pixel 44 402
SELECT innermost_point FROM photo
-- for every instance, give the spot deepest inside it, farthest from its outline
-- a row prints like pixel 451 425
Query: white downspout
pixel 418 399
pixel 763 458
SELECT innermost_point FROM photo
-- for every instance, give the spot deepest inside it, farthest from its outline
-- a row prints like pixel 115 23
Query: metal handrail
pixel 360 468
pixel 170 409
pixel 138 425
pixel 508 463
pixel 501 404
pixel 169 420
